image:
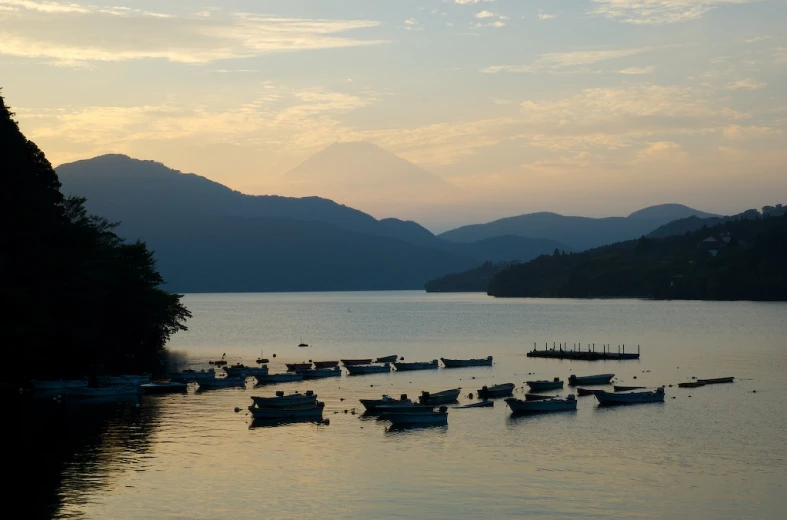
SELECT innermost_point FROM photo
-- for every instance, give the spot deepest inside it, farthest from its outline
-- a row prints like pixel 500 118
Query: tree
pixel 78 299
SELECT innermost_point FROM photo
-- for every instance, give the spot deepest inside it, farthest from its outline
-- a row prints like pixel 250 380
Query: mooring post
pixel 624 348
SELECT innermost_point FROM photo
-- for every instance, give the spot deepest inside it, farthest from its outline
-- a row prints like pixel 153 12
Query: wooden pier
pixel 576 353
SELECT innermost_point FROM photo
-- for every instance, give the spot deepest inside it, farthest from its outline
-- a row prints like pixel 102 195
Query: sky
pixel 585 107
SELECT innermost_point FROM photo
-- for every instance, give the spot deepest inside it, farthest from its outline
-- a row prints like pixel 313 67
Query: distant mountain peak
pixel 672 211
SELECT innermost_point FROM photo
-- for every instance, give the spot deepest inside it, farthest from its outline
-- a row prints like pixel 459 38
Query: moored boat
pixel 691 384
pixel 542 386
pixel 372 404
pixel 59 385
pixel 479 404
pixel 298 367
pixel 502 390
pixel 586 391
pixel 627 388
pixel 301 412
pixel 164 387
pixel 322 373
pixel 190 375
pixel 356 370
pixel 543 405
pixel 124 380
pixel 600 379
pixel 460 363
pixel 717 380
pixel 286 401
pixel 241 370
pixel 446 396
pixel 387 359
pixel 399 408
pixel 416 365
pixel 102 391
pixel 608 398
pixel 208 383
pixel 354 362
pixel 287 377
pixel 433 418
pixel 326 364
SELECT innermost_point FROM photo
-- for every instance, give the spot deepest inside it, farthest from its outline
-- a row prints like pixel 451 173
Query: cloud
pixel 545 16
pixel 491 19
pixel 746 133
pixel 638 70
pixel 70 33
pixel 411 24
pixel 746 84
pixel 560 60
pixel 658 11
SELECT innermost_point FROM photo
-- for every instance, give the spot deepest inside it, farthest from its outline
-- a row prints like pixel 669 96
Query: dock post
pixel 624 348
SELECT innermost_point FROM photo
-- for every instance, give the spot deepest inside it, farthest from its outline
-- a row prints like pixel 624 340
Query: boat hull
pixel 221 382
pixel 463 363
pixel 305 413
pixel 286 401
pixel 692 384
pixel 354 362
pixel 446 396
pixel 164 388
pixel 103 392
pixel 326 364
pixel 372 404
pixel 612 398
pixel 585 391
pixel 627 388
pixel 298 367
pixel 601 379
pixel 244 371
pixel 269 379
pixel 357 370
pixel 322 373
pixel 539 397
pixel 406 367
pixel 716 381
pixel 543 386
pixel 541 406
pixel 387 359
pixel 125 380
pixel 417 419
pixel 496 391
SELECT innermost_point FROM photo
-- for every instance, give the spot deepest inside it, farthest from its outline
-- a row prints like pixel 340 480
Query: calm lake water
pixel 712 452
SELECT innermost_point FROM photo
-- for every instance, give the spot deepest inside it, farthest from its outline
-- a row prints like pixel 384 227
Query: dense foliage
pixel 474 280
pixel 744 260
pixel 76 299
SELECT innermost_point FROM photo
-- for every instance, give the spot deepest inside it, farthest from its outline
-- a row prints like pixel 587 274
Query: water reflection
pixel 404 429
pixel 272 423
pixel 74 446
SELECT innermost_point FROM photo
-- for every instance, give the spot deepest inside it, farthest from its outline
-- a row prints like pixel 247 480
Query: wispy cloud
pixel 658 11
pixel 71 33
pixel 560 60
pixel 638 70
pixel 746 84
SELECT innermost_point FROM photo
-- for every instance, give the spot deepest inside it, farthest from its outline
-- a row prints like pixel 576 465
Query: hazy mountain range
pixel 209 238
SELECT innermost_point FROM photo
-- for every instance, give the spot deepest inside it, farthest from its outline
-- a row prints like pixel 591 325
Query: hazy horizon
pixel 581 107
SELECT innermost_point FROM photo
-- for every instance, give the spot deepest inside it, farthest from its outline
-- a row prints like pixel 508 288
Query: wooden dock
pixel 578 354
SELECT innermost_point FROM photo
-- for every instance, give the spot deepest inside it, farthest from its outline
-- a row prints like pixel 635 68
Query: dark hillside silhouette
pixel 76 299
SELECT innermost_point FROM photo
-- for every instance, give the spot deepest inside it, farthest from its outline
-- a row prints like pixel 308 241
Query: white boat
pixel 600 379
pixel 59 385
pixel 542 405
pixel 372 404
pixel 417 365
pixel 103 391
pixel 655 396
pixel 321 373
pixel 221 382
pixel 542 386
pixel 286 401
pixel 304 412
pixel 241 370
pixel 268 379
pixel 460 363
pixel 355 370
pixel 434 418
pixel 446 396
pixel 124 380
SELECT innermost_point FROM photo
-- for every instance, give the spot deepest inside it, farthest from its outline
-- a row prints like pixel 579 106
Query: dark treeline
pixel 735 260
pixel 474 280
pixel 77 300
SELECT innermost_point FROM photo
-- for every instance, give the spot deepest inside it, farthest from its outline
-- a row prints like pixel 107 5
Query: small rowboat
pixel 241 370
pixel 322 373
pixel 489 392
pixel 354 362
pixel 627 388
pixel 438 418
pixel 585 391
pixel 372 404
pixel 691 384
pixel 717 380
pixel 542 386
pixel 286 401
pixel 357 370
pixel 460 363
pixel 387 359
pixel 480 404
pixel 446 396
pixel 546 405
pixel 611 398
pixel 313 411
pixel 326 364
pixel 418 365
pixel 600 379
pixel 266 379
pixel 163 387
pixel 207 383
